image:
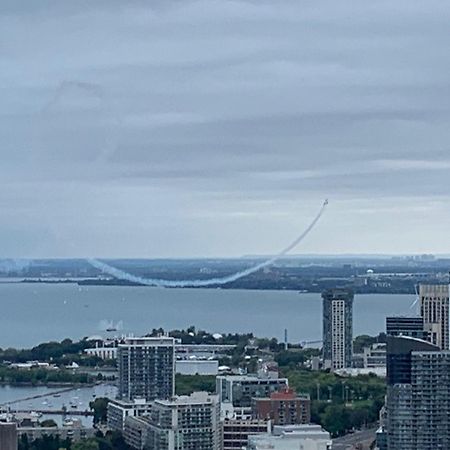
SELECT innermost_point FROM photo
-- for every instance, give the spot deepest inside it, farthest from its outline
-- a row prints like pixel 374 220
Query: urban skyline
pixel 224 225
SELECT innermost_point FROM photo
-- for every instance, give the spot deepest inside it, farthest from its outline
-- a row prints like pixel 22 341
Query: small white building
pixel 305 437
pixel 375 356
pixel 33 365
pixel 102 352
pixel 355 372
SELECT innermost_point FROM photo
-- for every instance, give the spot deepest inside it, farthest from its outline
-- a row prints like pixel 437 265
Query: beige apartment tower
pixel 434 308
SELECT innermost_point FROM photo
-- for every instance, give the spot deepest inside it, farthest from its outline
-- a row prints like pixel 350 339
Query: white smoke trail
pixel 122 275
pixel 416 300
pixel 73 87
pixel 108 325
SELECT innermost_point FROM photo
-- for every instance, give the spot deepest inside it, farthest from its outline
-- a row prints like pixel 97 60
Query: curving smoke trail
pixel 122 275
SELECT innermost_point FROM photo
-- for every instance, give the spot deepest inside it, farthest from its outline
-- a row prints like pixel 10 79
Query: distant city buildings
pixel 107 349
pixel 434 309
pixel 337 328
pixel 418 395
pixel 146 368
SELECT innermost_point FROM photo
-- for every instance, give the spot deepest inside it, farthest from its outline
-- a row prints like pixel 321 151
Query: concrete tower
pixel 337 328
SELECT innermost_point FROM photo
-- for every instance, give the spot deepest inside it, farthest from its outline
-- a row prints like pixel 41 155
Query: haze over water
pixel 34 313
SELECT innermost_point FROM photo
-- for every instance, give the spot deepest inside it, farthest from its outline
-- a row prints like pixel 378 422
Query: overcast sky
pixel 217 128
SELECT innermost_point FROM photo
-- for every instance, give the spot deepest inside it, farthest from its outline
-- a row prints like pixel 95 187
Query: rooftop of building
pixel 252 377
pixel 285 394
pixel 294 432
pixel 338 291
pixel 148 342
pixel 129 404
pixel 196 398
pixel 205 346
pixel 404 344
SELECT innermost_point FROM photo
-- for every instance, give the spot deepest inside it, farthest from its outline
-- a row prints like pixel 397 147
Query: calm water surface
pixel 34 313
pixel 77 399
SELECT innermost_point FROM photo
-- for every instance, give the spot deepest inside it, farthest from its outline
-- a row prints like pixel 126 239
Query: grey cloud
pixel 195 122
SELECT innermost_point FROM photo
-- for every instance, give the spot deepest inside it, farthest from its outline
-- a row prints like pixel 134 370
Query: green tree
pixel 100 408
pixel 49 423
pixel 117 441
pixel 89 444
pixel 23 442
pixel 290 358
pixel 335 419
pixel 186 384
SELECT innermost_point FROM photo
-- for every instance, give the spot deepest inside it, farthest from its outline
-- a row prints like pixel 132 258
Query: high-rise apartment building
pixel 185 423
pixel 146 368
pixel 337 328
pixel 434 309
pixel 418 395
pixel 406 326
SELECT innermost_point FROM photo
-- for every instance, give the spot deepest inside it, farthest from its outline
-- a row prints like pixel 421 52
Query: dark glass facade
pixel 337 328
pixel 406 326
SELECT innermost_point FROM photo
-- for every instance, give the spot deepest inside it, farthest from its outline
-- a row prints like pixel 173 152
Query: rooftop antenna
pixel 285 339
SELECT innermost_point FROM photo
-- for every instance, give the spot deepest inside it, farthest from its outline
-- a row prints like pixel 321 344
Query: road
pixel 348 442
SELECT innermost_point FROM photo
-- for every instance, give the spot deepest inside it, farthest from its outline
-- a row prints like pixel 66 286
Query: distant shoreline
pixel 407 290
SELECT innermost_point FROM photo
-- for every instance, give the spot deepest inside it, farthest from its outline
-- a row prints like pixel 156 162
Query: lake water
pixel 76 399
pixel 34 313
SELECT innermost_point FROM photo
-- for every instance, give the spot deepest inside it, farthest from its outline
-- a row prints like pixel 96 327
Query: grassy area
pixel 340 404
pixel 186 384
